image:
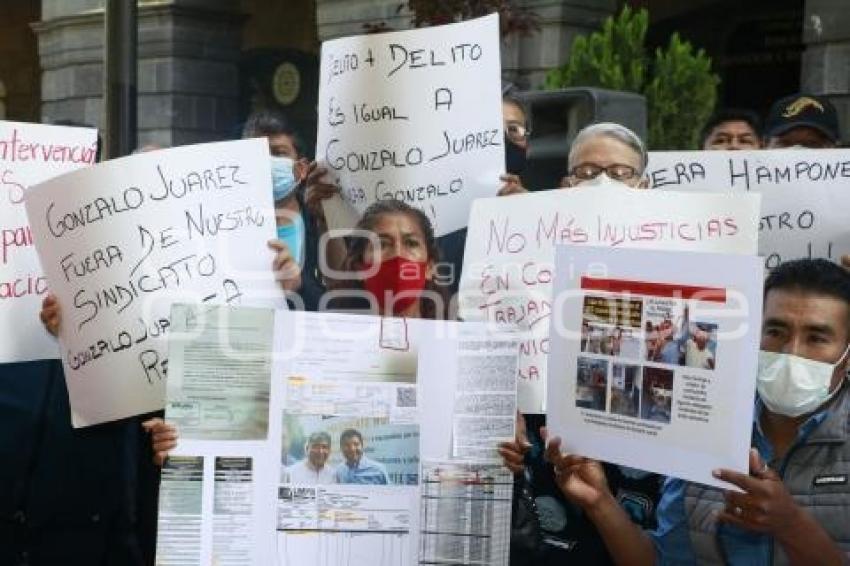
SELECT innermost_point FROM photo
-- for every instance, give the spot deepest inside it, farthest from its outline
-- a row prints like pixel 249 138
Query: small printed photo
pixel 665 331
pixel 591 384
pixel 625 390
pixel 326 450
pixel 701 348
pixel 611 326
pixel 656 402
pixel 406 397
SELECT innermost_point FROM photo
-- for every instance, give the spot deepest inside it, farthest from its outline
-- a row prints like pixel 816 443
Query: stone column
pixel 825 66
pixel 525 60
pixel 188 79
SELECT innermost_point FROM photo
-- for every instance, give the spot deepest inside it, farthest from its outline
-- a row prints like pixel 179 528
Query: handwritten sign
pixel 508 265
pixel 722 171
pixel 414 116
pixel 30 154
pixel 122 241
pixel 805 194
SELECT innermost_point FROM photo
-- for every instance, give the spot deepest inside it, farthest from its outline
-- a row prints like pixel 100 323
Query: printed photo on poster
pixel 591 384
pixel 656 402
pixel 673 338
pixel 611 326
pixel 348 450
pixel 701 348
pixel 665 331
pixel 625 389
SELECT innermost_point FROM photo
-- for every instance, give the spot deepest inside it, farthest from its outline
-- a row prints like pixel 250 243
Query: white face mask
pixel 603 180
pixel 793 386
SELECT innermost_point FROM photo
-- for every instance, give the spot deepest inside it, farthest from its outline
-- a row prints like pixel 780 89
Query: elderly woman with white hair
pixel 548 529
pixel 605 152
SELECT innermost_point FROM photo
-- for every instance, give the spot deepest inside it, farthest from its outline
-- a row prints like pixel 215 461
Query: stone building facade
pixel 203 64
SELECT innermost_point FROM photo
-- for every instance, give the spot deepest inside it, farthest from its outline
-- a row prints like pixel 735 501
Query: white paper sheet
pixel 805 196
pixel 653 363
pixel 465 513
pixel 30 154
pixel 219 372
pixel 413 115
pixel 122 241
pixel 333 373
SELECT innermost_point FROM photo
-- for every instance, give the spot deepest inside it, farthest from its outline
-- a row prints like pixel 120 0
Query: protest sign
pixel 756 170
pixel 414 116
pixel 507 272
pixel 653 358
pixel 360 460
pixel 805 194
pixel 121 241
pixel 30 154
pixel 810 224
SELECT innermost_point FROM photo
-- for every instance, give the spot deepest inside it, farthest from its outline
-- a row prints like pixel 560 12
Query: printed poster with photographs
pixel 653 358
pixel 349 441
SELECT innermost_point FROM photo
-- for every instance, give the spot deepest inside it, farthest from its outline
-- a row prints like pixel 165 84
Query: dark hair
pixel 816 276
pixel 350 433
pixel 510 97
pixel 731 115
pixel 264 123
pixel 357 250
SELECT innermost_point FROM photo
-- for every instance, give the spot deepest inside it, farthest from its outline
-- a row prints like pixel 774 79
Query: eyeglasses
pixel 617 171
pixel 516 131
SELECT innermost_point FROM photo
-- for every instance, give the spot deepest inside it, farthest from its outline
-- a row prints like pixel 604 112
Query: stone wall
pixel 188 77
pixel 826 61
pixel 525 60
pixel 19 85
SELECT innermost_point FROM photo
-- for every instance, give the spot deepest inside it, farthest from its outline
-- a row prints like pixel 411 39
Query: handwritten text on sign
pixel 120 242
pixel 29 154
pixel 507 273
pixel 414 116
pixel 805 194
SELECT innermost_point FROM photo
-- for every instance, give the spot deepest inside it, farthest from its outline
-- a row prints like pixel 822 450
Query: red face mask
pixel 399 281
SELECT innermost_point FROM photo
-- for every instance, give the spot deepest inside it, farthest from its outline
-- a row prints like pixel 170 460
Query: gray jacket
pixel 815 471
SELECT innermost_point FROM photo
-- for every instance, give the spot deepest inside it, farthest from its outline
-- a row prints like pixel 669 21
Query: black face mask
pixel 515 158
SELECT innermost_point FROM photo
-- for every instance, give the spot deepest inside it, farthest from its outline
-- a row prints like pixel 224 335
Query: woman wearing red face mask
pixel 392 265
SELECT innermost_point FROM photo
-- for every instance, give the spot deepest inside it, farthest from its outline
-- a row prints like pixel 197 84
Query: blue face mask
pixel 283 178
pixel 292 235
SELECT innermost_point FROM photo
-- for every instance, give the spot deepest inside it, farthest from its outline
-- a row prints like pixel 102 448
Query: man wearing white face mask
pixel 794 504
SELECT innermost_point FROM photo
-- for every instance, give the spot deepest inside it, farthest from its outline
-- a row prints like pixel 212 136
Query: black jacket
pixel 67 496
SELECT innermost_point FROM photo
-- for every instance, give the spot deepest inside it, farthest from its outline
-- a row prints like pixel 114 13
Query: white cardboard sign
pixel 121 241
pixel 805 194
pixel 414 116
pixel 30 154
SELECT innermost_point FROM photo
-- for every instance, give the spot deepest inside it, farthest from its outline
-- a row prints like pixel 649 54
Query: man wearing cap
pixel 802 121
